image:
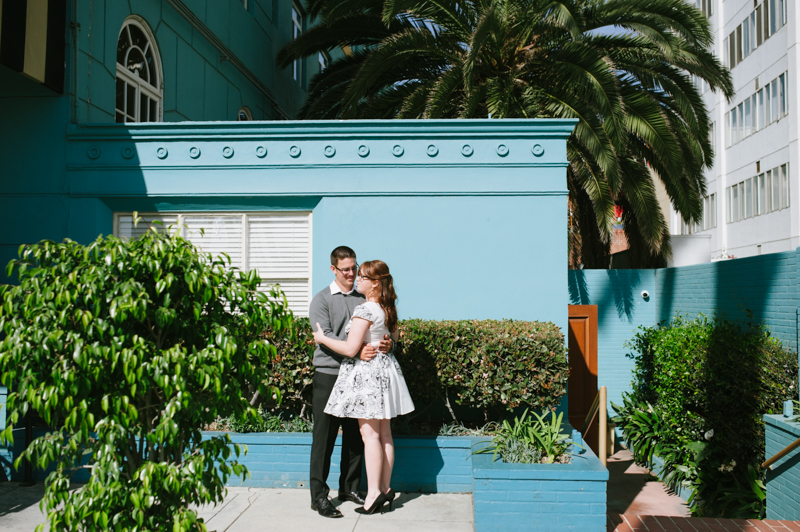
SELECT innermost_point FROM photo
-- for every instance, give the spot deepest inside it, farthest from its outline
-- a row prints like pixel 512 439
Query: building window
pixel 244 115
pixel 297 30
pixel 139 93
pixel 277 244
pixel 762 194
pixel 757 111
pixel 708 219
pixel 706 6
pixel 323 62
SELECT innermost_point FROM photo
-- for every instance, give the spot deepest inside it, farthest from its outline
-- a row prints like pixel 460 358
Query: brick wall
pixel 783 481
pixel 521 497
pixel 766 285
pixel 426 464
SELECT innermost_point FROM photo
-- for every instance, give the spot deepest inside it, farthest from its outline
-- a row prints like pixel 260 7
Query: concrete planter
pixel 783 480
pixel 526 497
pixel 506 497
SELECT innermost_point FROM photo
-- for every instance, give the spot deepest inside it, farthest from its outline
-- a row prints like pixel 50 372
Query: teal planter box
pixel 546 497
pixel 507 497
pixel 422 463
pixel 783 480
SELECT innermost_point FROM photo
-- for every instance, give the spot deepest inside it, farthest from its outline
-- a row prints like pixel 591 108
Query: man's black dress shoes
pixel 353 496
pixel 325 508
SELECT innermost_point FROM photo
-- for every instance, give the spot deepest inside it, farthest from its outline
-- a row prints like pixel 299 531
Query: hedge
pixel 701 387
pixel 473 363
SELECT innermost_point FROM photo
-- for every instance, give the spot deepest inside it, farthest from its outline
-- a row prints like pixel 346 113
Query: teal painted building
pixel 66 63
pixel 174 109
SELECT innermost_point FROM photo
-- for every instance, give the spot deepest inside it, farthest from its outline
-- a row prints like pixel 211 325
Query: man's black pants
pixel 326 427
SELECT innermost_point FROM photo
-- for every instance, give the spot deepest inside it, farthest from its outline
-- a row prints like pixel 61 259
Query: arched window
pixel 244 114
pixel 139 93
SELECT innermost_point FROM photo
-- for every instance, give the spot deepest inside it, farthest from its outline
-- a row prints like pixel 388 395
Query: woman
pixel 373 391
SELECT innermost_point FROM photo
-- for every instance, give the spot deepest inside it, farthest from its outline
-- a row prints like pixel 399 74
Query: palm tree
pixel 640 116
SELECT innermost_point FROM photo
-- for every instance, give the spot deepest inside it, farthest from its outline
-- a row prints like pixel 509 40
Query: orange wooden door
pixel 582 344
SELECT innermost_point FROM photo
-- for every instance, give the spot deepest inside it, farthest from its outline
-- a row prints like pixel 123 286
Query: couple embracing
pixel 358 384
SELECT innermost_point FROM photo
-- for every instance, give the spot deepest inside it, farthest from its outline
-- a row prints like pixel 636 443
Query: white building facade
pixel 753 189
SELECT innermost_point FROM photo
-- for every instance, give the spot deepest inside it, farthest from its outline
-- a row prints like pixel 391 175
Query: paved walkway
pixel 638 502
pixel 253 509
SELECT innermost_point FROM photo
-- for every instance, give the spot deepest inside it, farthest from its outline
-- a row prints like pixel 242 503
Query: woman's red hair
pixel 378 270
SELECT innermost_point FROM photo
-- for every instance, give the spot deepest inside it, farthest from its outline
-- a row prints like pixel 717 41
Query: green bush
pixel 701 388
pixel 127 349
pixel 485 363
pixel 479 364
pixel 291 371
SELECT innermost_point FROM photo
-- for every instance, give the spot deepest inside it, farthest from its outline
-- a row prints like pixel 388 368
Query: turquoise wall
pixel 766 285
pixel 620 311
pixel 198 85
pixel 460 228
pixel 783 478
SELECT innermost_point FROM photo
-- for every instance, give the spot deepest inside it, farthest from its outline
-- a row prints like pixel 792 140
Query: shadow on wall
pixel 622 288
pixel 764 285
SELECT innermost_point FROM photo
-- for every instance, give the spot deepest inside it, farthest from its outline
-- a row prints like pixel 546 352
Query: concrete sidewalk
pixel 256 509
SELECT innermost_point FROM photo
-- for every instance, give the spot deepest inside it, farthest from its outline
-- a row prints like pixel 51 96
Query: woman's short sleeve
pixel 362 311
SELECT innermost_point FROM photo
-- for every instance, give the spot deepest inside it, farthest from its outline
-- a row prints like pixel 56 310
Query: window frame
pixel 154 92
pixel 298 18
pixel 245 249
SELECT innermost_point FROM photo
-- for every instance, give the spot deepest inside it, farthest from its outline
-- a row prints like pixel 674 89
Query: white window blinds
pixel 278 245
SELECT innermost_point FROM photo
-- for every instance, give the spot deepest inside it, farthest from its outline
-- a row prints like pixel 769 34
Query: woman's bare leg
pixel 387 446
pixel 373 457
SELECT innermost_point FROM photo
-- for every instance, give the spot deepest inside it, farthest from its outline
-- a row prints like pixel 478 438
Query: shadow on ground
pixel 633 490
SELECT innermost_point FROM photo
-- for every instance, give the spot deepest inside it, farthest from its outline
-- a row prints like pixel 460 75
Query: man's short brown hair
pixel 341 253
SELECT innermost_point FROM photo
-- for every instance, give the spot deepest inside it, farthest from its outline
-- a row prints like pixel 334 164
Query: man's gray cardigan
pixel 332 312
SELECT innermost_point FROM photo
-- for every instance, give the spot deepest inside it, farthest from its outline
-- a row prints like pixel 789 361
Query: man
pixel 332 308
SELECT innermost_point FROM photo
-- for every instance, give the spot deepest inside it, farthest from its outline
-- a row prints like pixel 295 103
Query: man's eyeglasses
pixel 354 269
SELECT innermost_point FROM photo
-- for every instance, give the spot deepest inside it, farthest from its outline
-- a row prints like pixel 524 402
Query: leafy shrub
pixel 291 371
pixel 701 387
pixel 127 349
pixel 484 363
pixel 479 364
pixel 530 439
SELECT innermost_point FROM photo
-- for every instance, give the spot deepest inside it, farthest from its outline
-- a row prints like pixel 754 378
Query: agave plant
pixel 530 438
pixel 639 115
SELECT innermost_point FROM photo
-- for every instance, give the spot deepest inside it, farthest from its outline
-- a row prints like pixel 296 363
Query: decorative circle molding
pixel 93 152
pixel 537 150
pixel 194 152
pixel 432 151
pixel 467 150
pixel 127 152
pixel 227 152
pixel 162 152
pixel 294 151
pixel 329 151
pixel 261 152
pixel 502 150
pixel 397 151
pixel 363 150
